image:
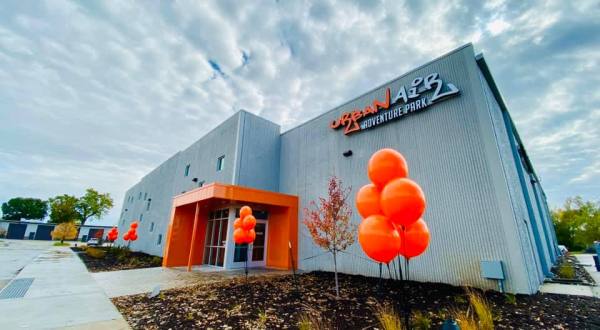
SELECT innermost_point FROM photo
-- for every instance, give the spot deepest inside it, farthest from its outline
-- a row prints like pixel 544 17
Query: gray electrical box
pixel 492 269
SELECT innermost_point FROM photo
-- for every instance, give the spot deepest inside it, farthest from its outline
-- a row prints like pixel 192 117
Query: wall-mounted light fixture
pixel 347 153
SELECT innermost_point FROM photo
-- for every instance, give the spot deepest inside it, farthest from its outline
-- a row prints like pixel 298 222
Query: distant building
pixel 487 211
pixel 39 230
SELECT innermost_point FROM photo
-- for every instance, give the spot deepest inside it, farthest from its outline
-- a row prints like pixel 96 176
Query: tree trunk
pixel 62 240
pixel 337 287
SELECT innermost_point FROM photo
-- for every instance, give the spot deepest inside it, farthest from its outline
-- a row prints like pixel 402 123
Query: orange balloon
pixel 249 222
pixel 415 239
pixel 251 236
pixel 403 201
pixel 367 200
pixel 385 165
pixel 378 238
pixel 245 211
pixel 237 223
pixel 239 236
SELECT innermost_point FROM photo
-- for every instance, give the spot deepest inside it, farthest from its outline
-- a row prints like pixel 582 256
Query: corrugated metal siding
pixel 168 180
pixel 259 153
pixel 445 149
pixel 523 249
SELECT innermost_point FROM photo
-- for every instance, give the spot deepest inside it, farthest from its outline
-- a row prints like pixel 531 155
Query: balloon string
pixel 398 262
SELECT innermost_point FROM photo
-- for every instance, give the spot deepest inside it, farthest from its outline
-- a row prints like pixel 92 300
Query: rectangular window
pixel 220 163
pixel 140 195
pixel 159 239
pixel 151 226
pixel 187 170
pixel 141 217
pixel 148 204
pixel 145 196
pixel 201 183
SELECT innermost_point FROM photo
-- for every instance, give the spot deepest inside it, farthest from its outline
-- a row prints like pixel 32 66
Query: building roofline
pixel 487 74
pixel 381 86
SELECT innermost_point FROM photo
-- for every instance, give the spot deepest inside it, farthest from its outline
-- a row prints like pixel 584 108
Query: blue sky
pixel 98 93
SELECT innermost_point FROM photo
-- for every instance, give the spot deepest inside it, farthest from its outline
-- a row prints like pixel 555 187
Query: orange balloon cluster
pixel 131 234
pixel 243 227
pixel 392 206
pixel 113 234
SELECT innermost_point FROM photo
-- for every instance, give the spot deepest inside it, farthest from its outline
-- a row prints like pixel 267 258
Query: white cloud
pixel 93 91
pixel 497 26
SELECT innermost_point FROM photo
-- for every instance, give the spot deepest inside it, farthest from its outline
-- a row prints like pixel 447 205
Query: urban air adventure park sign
pixel 404 102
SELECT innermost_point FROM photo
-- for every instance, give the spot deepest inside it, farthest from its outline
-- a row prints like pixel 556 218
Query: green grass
pixel 61 244
pixel 566 271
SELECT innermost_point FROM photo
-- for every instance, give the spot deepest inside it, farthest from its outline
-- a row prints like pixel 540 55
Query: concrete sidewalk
pixel 144 280
pixel 577 290
pixel 63 295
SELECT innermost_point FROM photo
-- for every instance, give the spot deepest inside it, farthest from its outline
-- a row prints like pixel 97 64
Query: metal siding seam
pixel 517 160
pixel 504 170
pixel 239 141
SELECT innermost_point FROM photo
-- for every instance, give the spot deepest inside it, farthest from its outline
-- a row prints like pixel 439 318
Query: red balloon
pixel 239 236
pixel 133 237
pixel 385 165
pixel 237 223
pixel 126 236
pixel 367 200
pixel 403 201
pixel 415 239
pixel 249 222
pixel 134 225
pixel 378 238
pixel 250 236
pixel 245 211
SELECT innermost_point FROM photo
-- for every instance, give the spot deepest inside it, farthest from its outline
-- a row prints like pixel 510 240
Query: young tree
pixel 93 205
pixel 62 209
pixel 63 231
pixel 24 208
pixel 328 222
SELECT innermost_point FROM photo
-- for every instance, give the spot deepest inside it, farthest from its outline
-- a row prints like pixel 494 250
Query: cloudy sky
pixel 98 93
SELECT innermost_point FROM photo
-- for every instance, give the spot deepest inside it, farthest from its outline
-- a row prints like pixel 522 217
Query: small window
pixel 201 183
pixel 145 196
pixel 220 163
pixel 140 195
pixel 159 239
pixel 141 217
pixel 152 227
pixel 148 204
pixel 187 170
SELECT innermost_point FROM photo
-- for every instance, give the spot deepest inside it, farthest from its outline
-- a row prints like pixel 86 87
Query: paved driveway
pixel 16 254
pixel 63 294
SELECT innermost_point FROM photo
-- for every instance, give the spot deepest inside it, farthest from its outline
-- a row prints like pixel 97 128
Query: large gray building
pixel 486 207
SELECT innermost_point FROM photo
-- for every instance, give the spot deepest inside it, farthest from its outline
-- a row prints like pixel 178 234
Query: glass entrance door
pixel 216 238
pixel 255 252
pixel 258 247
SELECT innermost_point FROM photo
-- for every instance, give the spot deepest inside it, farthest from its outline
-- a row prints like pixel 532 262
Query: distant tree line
pixel 63 208
pixel 577 223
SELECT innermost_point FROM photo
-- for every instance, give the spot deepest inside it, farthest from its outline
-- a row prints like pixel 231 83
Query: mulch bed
pixel 111 262
pixel 277 302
